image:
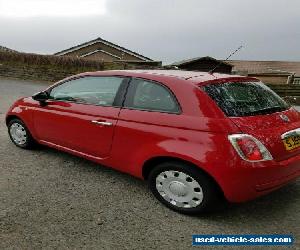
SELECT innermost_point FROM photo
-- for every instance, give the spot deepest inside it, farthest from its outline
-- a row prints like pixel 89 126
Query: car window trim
pixel 118 96
pixel 131 92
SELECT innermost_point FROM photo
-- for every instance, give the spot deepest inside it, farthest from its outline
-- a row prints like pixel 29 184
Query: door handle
pixel 102 123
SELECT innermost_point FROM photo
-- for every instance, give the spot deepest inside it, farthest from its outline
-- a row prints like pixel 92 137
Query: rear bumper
pixel 251 180
pixel 269 186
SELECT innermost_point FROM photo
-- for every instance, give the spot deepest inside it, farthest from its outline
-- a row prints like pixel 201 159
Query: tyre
pixel 20 135
pixel 184 188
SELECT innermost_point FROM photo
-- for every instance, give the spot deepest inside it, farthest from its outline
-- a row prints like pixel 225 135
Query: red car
pixel 195 137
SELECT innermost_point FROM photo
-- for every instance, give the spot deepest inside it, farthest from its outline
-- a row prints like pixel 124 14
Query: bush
pixel 35 59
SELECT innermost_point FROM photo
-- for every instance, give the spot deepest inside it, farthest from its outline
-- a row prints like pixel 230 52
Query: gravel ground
pixel 51 199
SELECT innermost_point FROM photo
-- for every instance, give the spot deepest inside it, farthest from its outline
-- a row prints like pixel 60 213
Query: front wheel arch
pixel 11 117
pixel 30 141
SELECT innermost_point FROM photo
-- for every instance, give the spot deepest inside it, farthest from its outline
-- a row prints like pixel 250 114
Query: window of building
pixel 296 80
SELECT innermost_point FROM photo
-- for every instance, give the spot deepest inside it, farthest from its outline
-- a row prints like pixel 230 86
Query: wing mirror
pixel 41 97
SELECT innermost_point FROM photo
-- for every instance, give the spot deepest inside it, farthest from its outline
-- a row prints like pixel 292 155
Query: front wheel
pixel 184 188
pixel 19 134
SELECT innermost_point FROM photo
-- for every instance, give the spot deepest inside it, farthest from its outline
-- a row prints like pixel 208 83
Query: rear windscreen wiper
pixel 268 110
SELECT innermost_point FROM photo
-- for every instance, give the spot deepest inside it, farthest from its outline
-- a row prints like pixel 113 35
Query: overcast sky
pixel 167 30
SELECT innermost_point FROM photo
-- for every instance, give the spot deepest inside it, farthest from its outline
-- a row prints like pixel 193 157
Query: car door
pixel 81 114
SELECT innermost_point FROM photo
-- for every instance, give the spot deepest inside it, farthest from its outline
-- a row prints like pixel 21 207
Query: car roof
pixel 194 77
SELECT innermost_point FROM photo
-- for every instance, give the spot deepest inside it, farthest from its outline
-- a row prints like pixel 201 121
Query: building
pixel 103 50
pixel 204 64
pixel 270 72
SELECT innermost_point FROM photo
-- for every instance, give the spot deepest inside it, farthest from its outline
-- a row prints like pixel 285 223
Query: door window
pixel 148 95
pixel 89 90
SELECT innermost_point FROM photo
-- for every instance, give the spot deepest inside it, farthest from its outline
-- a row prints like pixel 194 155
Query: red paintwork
pixel 197 135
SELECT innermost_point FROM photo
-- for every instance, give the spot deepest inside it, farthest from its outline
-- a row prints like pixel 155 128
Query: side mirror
pixel 41 97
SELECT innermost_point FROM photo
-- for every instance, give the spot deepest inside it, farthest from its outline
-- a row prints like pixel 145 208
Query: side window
pixel 148 95
pixel 90 90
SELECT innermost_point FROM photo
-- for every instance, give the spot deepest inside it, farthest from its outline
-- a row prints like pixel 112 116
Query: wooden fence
pixel 286 89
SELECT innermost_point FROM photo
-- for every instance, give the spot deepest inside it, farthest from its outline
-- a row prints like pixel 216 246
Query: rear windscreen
pixel 245 98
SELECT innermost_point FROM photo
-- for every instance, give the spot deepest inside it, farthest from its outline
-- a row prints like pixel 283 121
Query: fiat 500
pixel 195 137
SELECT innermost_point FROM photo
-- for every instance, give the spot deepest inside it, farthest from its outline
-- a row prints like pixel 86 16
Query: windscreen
pixel 245 98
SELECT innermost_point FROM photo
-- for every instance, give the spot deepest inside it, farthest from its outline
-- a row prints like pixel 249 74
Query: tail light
pixel 249 148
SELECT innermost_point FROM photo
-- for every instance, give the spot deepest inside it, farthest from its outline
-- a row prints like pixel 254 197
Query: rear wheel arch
pixel 150 164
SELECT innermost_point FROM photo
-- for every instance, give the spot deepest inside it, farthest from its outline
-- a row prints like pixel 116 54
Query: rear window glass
pixel 245 98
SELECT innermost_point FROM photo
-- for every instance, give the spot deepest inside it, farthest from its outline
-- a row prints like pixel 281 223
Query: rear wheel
pixel 19 134
pixel 184 188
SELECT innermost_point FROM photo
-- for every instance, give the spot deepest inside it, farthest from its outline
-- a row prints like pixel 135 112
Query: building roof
pixel 191 60
pixel 97 40
pixel 266 67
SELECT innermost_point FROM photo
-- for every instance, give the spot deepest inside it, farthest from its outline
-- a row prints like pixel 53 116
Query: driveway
pixel 50 199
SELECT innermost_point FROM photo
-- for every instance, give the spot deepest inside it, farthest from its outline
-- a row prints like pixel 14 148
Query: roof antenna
pixel 218 65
